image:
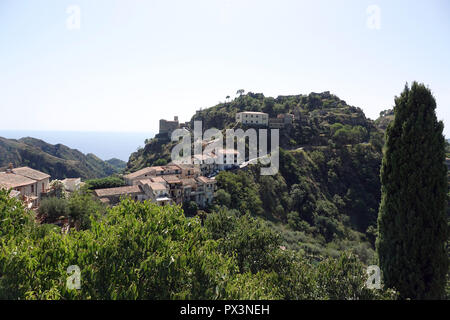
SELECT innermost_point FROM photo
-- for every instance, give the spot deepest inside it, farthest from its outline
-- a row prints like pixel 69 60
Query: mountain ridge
pixel 58 160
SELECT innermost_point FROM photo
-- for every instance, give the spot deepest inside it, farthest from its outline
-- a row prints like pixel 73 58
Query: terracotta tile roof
pixel 12 180
pixel 151 171
pixel 117 191
pixel 145 181
pixel 189 182
pixel 157 186
pixel 205 179
pixel 158 179
pixel 148 171
pixel 31 173
pixel 172 167
pixel 171 178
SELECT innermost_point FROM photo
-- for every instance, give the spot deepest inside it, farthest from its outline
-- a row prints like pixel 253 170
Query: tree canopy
pixel 412 222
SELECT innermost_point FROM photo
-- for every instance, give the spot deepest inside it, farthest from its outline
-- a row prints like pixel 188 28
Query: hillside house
pixel 30 183
pixel 156 191
pixel 281 121
pixel 112 196
pixel 227 159
pixel 205 191
pixel 206 163
pixel 134 177
pixel 252 118
pixel 71 184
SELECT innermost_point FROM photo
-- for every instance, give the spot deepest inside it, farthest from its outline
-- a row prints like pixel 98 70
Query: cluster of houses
pixel 31 185
pixel 26 183
pixel 169 184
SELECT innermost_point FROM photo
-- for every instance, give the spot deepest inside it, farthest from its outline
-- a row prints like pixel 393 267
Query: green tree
pixel 104 183
pixel 412 222
pixel 222 198
pixel 13 218
pixel 82 207
pixel 190 208
pixel 53 208
pixel 137 251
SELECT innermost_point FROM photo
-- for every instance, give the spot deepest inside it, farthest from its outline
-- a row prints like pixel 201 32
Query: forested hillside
pixel 325 197
pixel 57 160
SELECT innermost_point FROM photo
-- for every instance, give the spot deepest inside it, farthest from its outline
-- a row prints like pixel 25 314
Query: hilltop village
pixel 177 183
pixel 166 184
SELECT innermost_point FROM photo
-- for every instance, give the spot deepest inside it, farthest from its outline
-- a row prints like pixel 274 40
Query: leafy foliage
pixel 104 183
pixel 144 251
pixel 79 206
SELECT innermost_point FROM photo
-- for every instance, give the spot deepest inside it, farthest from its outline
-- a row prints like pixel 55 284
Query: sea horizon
pixel 104 144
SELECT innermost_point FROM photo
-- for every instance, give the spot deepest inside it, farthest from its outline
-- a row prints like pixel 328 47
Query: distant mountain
pixel 57 160
pixel 117 163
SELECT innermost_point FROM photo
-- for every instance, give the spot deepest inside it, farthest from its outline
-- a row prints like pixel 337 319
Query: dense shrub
pixel 103 183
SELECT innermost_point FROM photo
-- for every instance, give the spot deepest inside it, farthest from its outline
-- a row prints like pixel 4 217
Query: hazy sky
pixel 131 63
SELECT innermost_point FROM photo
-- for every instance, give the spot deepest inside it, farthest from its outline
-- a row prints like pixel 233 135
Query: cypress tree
pixel 412 220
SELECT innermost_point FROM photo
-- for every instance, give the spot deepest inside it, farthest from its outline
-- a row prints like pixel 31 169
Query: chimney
pixel 175 118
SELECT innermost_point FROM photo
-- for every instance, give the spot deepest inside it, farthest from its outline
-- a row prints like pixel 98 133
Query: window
pixel 43 187
pixel 32 188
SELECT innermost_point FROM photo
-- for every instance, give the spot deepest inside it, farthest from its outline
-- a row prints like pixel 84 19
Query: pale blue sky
pixel 134 62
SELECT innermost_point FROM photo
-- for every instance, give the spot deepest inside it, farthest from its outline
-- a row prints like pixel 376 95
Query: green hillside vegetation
pixel 447 148
pixel 325 198
pixel 143 251
pixel 319 112
pixel 57 160
pixel 114 181
pixel 117 163
pixel 385 118
pixel 325 201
